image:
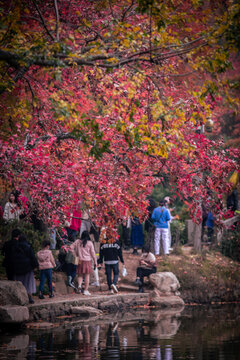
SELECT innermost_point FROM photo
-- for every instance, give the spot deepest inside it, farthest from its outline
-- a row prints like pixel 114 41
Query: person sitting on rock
pixel 147 266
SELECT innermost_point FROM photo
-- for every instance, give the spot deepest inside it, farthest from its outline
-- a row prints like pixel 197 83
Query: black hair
pixel 85 237
pixel 12 193
pixel 16 233
pixel 162 202
pixel 146 249
pixel 22 237
pixel 45 243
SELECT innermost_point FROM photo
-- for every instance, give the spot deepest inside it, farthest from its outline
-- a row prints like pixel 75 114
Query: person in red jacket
pixel 75 223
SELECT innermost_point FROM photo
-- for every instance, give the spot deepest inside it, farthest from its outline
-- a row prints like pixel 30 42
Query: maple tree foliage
pixel 101 99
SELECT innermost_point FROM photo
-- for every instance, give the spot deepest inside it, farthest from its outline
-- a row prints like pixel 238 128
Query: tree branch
pixel 62 60
pixel 57 19
pixel 42 19
pixel 126 11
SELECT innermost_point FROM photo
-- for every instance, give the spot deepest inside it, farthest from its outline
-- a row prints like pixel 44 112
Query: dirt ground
pixel 125 284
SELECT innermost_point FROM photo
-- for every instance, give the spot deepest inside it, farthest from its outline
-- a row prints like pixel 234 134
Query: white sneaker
pixel 113 286
pixel 86 292
pixel 96 283
pixel 111 291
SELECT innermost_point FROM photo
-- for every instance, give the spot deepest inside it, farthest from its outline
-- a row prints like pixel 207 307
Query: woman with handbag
pixel 84 250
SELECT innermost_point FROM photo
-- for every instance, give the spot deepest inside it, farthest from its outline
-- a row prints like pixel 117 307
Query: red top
pixel 76 220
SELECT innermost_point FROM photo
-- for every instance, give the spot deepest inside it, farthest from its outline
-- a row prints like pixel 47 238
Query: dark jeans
pixel 71 270
pixel 141 272
pixel 210 232
pixel 109 269
pixel 46 273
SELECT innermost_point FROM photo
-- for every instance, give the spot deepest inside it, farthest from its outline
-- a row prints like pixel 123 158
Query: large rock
pixel 86 311
pixel 13 314
pixel 165 301
pixel 13 293
pixel 165 282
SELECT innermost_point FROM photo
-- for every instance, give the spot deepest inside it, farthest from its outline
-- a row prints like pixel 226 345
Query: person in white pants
pixel 167 202
pixel 160 217
pixel 161 237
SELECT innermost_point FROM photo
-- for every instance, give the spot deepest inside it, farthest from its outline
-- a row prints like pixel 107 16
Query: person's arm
pixel 153 215
pixel 6 212
pixel 168 218
pixel 52 260
pixel 92 253
pixel 33 259
pixel 120 254
pixel 100 260
pixel 73 247
pixel 151 261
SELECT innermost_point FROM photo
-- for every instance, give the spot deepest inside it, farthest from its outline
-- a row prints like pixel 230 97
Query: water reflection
pixel 204 333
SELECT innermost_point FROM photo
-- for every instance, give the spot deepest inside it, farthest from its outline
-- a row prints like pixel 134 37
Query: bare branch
pixel 57 19
pixel 127 10
pixel 42 19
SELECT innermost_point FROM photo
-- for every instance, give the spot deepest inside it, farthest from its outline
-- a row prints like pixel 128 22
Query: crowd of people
pixel 85 248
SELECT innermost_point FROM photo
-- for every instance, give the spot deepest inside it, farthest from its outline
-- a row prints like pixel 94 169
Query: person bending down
pixel 147 267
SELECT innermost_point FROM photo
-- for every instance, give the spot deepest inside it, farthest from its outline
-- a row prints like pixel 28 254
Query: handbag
pixel 124 271
pixel 76 260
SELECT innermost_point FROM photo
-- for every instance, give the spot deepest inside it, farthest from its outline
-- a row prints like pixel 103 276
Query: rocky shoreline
pixel 15 309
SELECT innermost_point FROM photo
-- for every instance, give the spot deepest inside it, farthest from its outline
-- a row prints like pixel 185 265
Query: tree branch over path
pixel 63 60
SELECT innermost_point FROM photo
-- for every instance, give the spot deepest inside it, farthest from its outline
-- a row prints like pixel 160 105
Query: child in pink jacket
pixel 46 263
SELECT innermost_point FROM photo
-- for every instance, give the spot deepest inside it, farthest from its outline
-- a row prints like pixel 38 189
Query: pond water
pixel 201 333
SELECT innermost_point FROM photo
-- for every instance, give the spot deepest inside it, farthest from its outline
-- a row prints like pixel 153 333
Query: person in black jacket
pixel 7 252
pixel 111 253
pixel 24 262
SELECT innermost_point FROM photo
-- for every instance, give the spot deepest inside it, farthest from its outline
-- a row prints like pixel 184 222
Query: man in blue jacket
pixel 160 217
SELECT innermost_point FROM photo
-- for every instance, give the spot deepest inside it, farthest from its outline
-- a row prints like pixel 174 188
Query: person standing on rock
pixel 46 264
pixel 147 266
pixel 110 253
pixel 83 248
pixel 160 217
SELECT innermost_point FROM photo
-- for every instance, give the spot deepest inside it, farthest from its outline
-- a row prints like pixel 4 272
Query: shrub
pixel 230 245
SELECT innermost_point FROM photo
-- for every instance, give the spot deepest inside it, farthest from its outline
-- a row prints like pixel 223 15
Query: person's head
pixel 145 249
pixel 168 200
pixel 15 234
pixel 162 202
pixel 12 198
pixel 85 237
pixel 46 244
pixel 22 237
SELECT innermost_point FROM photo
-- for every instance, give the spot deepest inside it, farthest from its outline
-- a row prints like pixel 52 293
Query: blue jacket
pixel 160 217
pixel 210 220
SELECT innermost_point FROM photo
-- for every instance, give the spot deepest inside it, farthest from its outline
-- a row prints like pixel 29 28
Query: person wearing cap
pixel 160 217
